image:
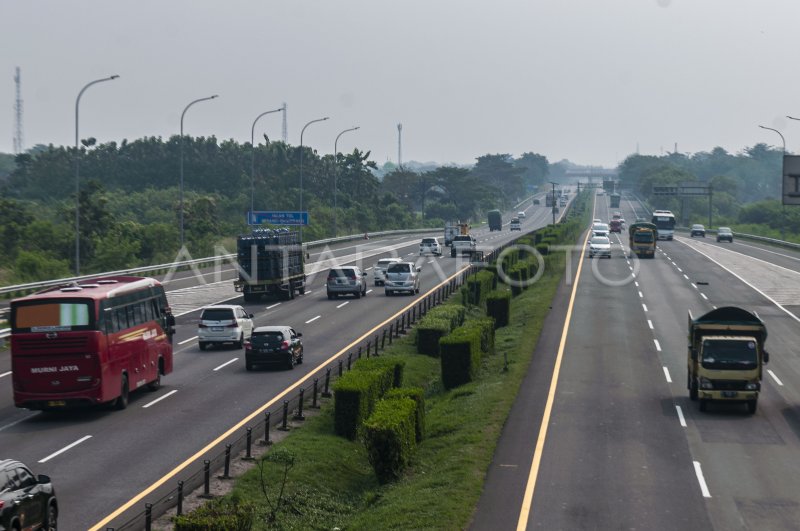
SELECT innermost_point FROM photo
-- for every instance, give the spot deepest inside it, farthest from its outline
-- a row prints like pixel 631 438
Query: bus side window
pixel 149 311
pixel 120 319
pixel 138 313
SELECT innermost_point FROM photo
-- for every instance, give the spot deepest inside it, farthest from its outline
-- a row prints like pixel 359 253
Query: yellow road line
pixel 527 500
pixel 248 418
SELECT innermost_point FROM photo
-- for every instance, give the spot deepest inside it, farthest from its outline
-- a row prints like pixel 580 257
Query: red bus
pixel 90 343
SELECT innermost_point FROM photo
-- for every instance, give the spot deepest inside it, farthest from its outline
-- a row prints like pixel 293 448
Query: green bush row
pixel 437 323
pixel 461 351
pixel 476 288
pixel 417 394
pixel 498 307
pixel 390 437
pixel 357 392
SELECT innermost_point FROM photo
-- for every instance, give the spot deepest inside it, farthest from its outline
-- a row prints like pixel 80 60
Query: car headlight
pixel 705 383
pixel 751 386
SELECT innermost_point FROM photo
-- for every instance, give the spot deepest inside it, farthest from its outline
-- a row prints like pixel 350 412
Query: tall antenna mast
pixel 399 145
pixel 18 145
pixel 285 128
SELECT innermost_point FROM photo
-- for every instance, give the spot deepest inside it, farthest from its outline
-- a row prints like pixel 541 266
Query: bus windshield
pixel 53 315
pixel 643 237
pixel 664 221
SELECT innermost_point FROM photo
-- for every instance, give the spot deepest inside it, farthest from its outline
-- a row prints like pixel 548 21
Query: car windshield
pixel 341 273
pixel 600 226
pixel 600 240
pixel 399 268
pixel 383 264
pixel 217 314
pixel 429 241
pixel 697 227
pixel 724 230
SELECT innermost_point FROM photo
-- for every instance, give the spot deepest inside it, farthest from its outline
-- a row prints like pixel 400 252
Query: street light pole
pixel 783 207
pixel 335 175
pixel 181 186
pixel 554 201
pixel 253 159
pixel 301 167
pixel 78 175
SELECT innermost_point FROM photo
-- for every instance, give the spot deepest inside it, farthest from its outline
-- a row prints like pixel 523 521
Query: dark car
pixel 725 234
pixel 273 345
pixel 697 230
pixel 26 501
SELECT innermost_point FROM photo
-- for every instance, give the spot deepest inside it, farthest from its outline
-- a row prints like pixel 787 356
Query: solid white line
pixel 5 374
pixel 680 416
pixel 704 296
pixel 666 375
pixel 686 276
pixel 658 345
pixel 344 303
pixel 777 380
pixel 701 479
pixel 159 399
pixel 187 340
pixel 650 324
pixel 314 319
pixel 644 306
pixel 641 295
pixel 271 307
pixel 225 364
pixel 67 447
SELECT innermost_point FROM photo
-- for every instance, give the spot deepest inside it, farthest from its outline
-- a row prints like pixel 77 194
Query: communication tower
pixel 18 145
pixel 399 145
pixel 285 128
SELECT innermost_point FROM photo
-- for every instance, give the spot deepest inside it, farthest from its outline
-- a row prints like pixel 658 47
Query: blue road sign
pixel 277 218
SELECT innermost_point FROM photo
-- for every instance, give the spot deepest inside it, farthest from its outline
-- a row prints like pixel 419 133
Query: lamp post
pixel 335 175
pixel 181 186
pixel 554 201
pixel 253 159
pixel 78 177
pixel 301 166
pixel 783 207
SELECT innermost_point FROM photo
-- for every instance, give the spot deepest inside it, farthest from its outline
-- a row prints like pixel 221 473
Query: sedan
pixel 274 345
pixel 697 230
pixel 725 234
pixel 600 246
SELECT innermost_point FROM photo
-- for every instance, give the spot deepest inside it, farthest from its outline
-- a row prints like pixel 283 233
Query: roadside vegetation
pixel 316 479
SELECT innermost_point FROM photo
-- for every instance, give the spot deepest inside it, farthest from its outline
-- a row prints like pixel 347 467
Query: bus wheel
pixel 122 401
pixel 155 384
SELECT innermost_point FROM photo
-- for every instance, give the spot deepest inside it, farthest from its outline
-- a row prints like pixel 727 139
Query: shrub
pixel 429 332
pixel 460 356
pixel 486 327
pixel 543 248
pixel 392 364
pixel 498 307
pixel 217 515
pixel 417 394
pixel 478 285
pixel 355 395
pixel 389 437
pixel 453 313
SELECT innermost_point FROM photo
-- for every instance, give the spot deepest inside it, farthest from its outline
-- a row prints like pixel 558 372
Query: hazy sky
pixel 586 80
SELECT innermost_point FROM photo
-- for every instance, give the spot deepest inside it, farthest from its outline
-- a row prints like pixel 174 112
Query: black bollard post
pixel 326 392
pixel 299 415
pixel 376 345
pixel 248 456
pixel 148 516
pixel 391 333
pixel 350 358
pixel 227 473
pixel 180 498
pixel 267 441
pixel 340 368
pixel 285 422
pixel 383 340
pixel 314 398
pixel 206 478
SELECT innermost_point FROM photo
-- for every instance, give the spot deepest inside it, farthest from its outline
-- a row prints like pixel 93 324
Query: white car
pixel 379 270
pixel 521 214
pixel 402 276
pixel 224 323
pixel 600 246
pixel 430 246
pixel 600 229
pixel 515 225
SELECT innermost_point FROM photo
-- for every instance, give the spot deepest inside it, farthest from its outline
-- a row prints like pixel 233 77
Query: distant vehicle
pixel 664 220
pixel 600 229
pixel 90 342
pixel 270 263
pixel 224 323
pixel 379 269
pixel 549 199
pixel 278 345
pixel 495 220
pixel 615 225
pixel 452 229
pixel 725 233
pixel 430 246
pixel 463 244
pixel 596 220
pixel 26 501
pixel 599 246
pixel 642 238
pixel 346 280
pixel 617 215
pixel 537 202
pixel 402 276
pixel 515 225
pixel 697 230
pixel 613 200
pixel 521 214
pixel 726 357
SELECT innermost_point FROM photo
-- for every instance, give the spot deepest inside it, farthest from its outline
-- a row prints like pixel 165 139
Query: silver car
pixel 346 280
pixel 600 246
pixel 224 323
pixel 379 270
pixel 402 276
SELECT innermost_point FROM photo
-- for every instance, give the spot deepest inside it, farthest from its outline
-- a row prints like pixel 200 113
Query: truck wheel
pixel 452 253
pixel 703 404
pixel 202 345
pixel 302 290
pixel 752 405
pixel 693 393
pixel 250 297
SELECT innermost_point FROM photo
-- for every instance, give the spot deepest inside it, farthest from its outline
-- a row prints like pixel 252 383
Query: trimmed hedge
pixel 454 313
pixel 390 437
pixel 394 364
pixel 486 326
pixel 498 306
pixel 429 332
pixel 477 286
pixel 355 395
pixel 217 515
pixel 460 356
pixel 417 394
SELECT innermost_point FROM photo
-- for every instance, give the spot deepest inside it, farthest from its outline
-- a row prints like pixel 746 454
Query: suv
pixel 521 214
pixel 599 229
pixel 697 230
pixel 725 233
pixel 347 279
pixel 430 245
pixel 280 345
pixel 224 323
pixel 514 225
pixel 402 276
pixel 26 501
pixel 379 269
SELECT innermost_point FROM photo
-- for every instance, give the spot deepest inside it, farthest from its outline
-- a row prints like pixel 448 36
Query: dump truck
pixel 271 262
pixel 642 238
pixel 726 357
pixel 495 220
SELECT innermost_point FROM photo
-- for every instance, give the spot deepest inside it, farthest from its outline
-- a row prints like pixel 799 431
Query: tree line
pixel 129 198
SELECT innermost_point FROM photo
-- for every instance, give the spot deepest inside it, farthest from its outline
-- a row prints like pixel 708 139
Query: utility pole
pixel 18 145
pixel 399 145
pixel 554 202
